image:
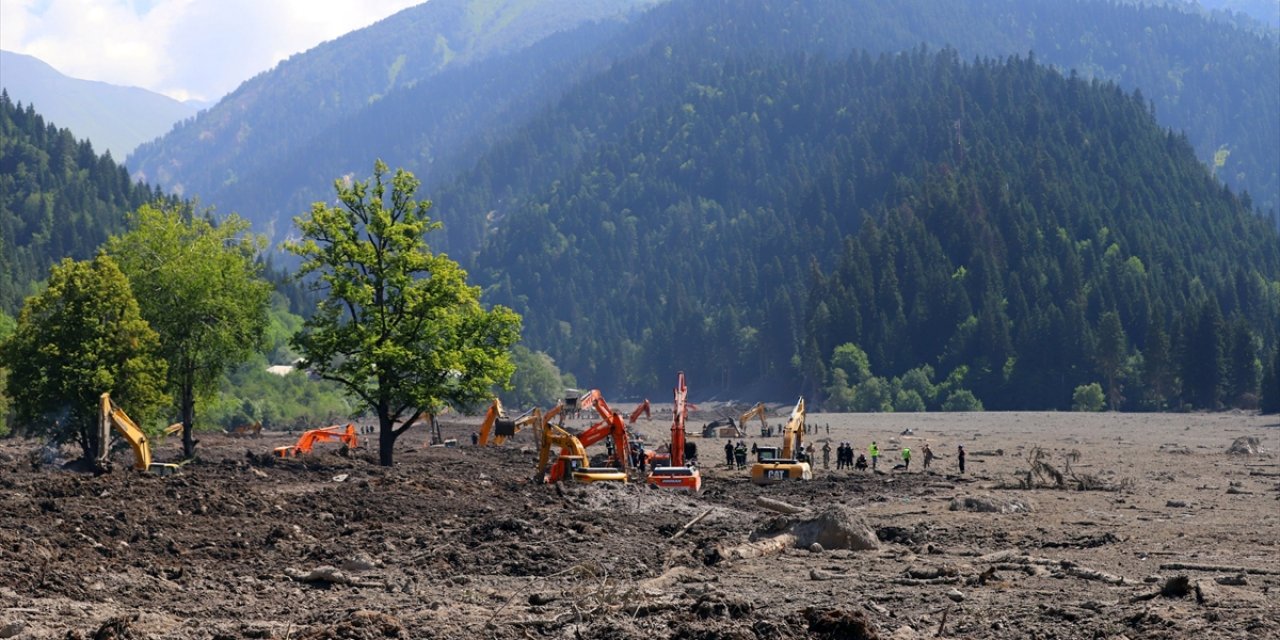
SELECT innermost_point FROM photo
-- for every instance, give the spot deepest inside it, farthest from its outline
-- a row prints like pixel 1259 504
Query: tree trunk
pixel 188 421
pixel 386 439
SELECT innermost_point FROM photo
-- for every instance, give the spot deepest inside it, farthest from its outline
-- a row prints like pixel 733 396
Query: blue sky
pixel 186 49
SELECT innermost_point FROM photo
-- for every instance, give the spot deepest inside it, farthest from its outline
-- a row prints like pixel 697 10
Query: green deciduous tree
pixel 1088 397
pixel 200 287
pixel 536 379
pixel 82 336
pixel 397 327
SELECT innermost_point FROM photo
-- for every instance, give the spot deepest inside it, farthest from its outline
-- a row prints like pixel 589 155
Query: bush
pixel 962 400
pixel 1088 397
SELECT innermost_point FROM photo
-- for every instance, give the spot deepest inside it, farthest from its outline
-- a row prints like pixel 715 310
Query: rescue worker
pixel 740 454
pixel 928 456
pixel 874 450
pixel 960 457
pixel 475 438
pixel 826 455
pixel 906 458
pixel 728 454
pixel 861 464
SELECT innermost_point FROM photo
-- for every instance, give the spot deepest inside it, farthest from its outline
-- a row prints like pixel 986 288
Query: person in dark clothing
pixel 861 464
pixel 475 438
pixel 728 454
pixel 960 457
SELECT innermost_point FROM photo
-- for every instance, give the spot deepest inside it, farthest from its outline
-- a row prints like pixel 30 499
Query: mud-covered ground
pixel 1172 537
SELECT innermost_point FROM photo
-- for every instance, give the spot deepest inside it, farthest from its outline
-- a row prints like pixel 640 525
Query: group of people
pixel 844 457
pixel 735 455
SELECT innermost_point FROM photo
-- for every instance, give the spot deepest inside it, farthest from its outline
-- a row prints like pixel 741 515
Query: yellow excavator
pixel 111 417
pixel 571 464
pixel 497 427
pixel 773 465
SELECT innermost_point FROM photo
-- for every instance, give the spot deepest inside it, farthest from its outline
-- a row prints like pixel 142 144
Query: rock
pixel 1177 504
pixel 1153 578
pixel 358 563
pixel 837 527
pixel 325 573
pixel 989 504
pixel 838 623
pixel 12 629
pixel 955 595
pixel 1234 581
pixel 815 548
pixel 539 599
pixel 1246 446
pixel 820 574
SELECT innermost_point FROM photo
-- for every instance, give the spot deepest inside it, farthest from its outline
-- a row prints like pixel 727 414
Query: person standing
pixel 906 458
pixel 874 451
pixel 928 456
pixel 740 453
pixel 960 457
pixel 475 438
pixel 728 454
pixel 826 455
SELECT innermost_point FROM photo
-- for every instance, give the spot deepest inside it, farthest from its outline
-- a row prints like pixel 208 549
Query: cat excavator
pixel 571 464
pixel 774 466
pixel 308 440
pixel 111 417
pixel 677 474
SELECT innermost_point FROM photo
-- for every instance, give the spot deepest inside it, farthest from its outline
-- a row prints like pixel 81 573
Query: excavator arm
pixel 757 411
pixel 643 407
pixel 792 435
pixel 309 439
pixel 491 417
pixel 113 417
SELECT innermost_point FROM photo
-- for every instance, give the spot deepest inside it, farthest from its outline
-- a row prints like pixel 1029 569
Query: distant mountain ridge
pixel 115 119
pixel 433 86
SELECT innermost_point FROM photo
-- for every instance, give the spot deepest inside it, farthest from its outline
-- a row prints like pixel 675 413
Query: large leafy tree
pixel 397 326
pixel 80 337
pixel 199 285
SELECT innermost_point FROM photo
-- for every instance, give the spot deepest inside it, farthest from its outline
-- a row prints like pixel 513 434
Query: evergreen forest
pixel 58 199
pixel 983 222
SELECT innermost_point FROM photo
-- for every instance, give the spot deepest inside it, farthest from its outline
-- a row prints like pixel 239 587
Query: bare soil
pixel 1154 532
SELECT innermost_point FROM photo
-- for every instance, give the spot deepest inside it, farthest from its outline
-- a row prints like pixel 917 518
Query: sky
pixel 185 49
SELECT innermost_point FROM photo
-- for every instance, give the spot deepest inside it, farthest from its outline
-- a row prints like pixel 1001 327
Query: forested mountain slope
pixel 115 119
pixel 740 217
pixel 432 87
pixel 58 199
pixel 269 124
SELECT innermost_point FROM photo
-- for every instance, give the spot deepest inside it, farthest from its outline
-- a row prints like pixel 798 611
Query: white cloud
pixel 183 48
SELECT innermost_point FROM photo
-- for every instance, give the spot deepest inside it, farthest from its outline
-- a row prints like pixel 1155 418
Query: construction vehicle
pixel 495 419
pixel 347 436
pixel 643 407
pixel 571 464
pixel 436 438
pixel 677 474
pixel 111 417
pixel 246 430
pixel 773 465
pixel 757 411
pixel 612 426
pixel 727 427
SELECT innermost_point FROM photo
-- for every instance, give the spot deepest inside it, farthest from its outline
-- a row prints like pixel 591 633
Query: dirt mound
pixel 989 504
pixel 836 527
pixel 1246 446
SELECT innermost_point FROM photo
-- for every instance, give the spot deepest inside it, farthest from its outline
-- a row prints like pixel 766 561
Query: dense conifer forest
pixel 58 199
pixel 740 219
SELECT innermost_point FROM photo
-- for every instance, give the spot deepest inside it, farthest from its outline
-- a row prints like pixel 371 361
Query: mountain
pixel 115 119
pixel 254 152
pixel 452 77
pixel 1266 12
pixel 741 217
pixel 58 199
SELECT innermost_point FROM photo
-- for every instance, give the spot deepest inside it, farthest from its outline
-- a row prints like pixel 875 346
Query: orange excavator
pixel 571 463
pixel 643 407
pixel 678 474
pixel 611 425
pixel 346 436
pixel 497 427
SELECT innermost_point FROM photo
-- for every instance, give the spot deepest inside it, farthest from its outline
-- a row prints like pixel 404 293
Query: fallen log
pixel 685 529
pixel 779 506
pixel 1185 566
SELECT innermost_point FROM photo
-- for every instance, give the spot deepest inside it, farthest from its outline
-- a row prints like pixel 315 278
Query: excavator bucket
pixel 504 428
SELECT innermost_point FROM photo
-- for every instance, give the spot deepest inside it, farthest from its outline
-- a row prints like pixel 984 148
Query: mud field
pixel 1098 526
